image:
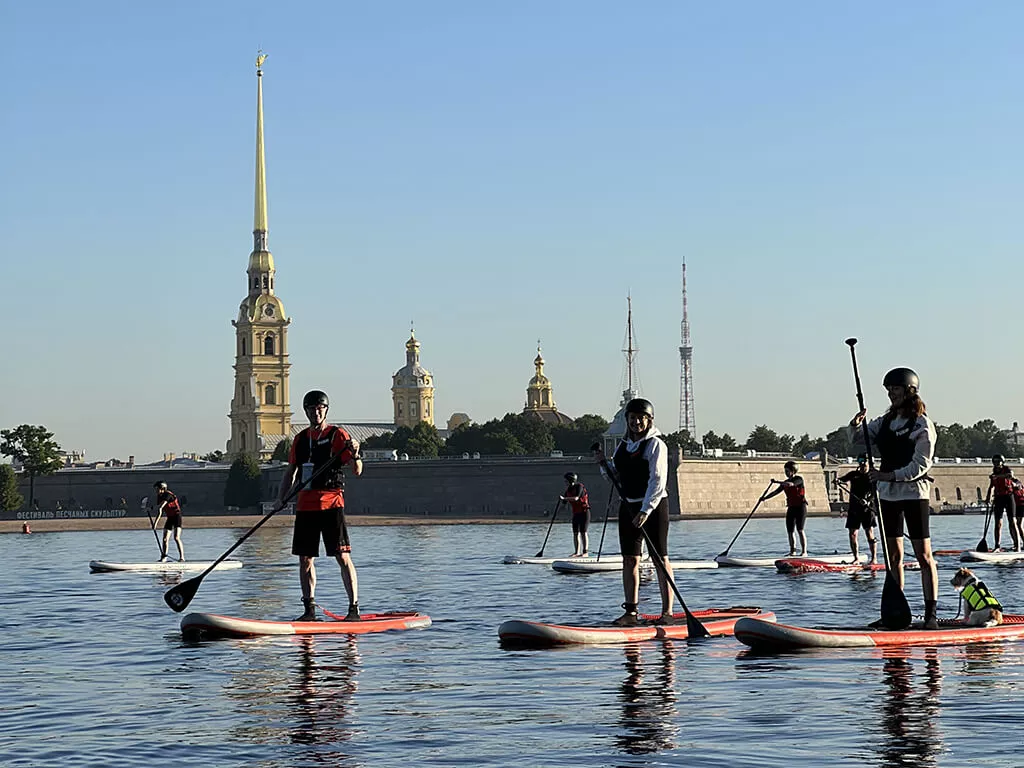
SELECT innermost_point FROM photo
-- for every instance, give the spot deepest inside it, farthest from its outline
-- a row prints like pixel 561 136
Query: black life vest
pixel 633 468
pixel 895 445
pixel 319 452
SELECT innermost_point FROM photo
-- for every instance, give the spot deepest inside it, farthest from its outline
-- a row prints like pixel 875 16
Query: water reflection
pixel 910 710
pixel 322 697
pixel 648 698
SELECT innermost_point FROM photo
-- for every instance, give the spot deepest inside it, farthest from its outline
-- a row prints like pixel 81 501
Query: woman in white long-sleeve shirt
pixel 904 438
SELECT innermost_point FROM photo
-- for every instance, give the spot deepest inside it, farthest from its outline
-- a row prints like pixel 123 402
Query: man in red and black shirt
pixel 317 458
pixel 796 507
pixel 1001 483
pixel 579 501
pixel 167 504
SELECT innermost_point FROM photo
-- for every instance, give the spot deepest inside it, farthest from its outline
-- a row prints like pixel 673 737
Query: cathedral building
pixel 260 412
pixel 540 397
pixel 412 388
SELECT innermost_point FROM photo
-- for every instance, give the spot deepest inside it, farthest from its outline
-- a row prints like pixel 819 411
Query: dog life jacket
pixel 1002 482
pixel 895 445
pixel 634 469
pixel 977 596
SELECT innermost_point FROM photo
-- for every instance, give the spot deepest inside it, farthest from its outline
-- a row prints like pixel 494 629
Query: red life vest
pixel 1002 483
pixel 795 496
pixel 1018 491
pixel 580 504
pixel 173 507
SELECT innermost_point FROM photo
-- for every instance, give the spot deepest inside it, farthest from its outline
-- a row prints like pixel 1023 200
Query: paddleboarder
pixel 641 463
pixel 320 507
pixel 1000 485
pixel 905 440
pixel 576 496
pixel 167 504
pixel 796 507
pixel 859 514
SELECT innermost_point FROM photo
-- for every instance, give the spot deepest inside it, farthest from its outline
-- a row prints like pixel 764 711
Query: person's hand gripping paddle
pixel 895 609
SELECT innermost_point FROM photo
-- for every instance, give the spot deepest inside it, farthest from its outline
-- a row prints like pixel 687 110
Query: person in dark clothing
pixel 860 514
pixel 576 496
pixel 1000 484
pixel 796 507
pixel 320 508
pixel 905 439
pixel 641 463
pixel 167 504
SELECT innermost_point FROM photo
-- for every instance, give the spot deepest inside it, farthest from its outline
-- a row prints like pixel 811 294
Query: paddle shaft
pixel 152 524
pixel 550 526
pixel 178 597
pixel 903 608
pixel 607 514
pixel 694 626
pixel 726 551
pixel 983 544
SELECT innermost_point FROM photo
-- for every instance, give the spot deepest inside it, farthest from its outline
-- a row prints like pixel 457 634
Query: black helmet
pixel 570 477
pixel 997 460
pixel 314 398
pixel 862 459
pixel 160 485
pixel 901 377
pixel 640 405
pixel 790 465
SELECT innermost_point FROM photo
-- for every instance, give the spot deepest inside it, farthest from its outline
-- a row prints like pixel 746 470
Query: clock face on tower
pixel 268 310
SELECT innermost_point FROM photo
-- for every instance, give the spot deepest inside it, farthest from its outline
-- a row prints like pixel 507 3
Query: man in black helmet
pixel 796 507
pixel 1000 483
pixel 859 514
pixel 578 499
pixel 905 440
pixel 167 504
pixel 641 463
pixel 317 457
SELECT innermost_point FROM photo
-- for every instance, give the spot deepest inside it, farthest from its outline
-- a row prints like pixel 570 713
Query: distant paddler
pixel 575 494
pixel 796 507
pixel 320 508
pixel 167 504
pixel 859 512
pixel 1000 485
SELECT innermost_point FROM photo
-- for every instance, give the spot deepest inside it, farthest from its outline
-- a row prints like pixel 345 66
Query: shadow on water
pixel 910 709
pixel 323 697
pixel 648 697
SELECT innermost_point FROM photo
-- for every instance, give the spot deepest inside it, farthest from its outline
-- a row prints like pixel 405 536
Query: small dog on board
pixel 981 609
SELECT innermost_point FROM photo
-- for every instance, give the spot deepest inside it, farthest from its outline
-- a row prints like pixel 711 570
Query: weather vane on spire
pixel 260 58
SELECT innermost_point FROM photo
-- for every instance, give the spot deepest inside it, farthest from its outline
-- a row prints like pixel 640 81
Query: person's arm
pixel 567 497
pixel 347 449
pixel 776 492
pixel 287 483
pixel 991 485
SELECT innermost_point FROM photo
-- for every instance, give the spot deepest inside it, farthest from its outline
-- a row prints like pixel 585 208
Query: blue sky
pixel 503 172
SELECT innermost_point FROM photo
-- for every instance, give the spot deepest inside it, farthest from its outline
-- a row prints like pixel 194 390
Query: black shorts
pixel 311 526
pixel 914 511
pixel 795 518
pixel 581 522
pixel 631 538
pixel 1007 503
pixel 860 516
pixel 172 522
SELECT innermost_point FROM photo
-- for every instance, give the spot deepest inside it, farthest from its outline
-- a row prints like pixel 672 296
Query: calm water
pixel 95 671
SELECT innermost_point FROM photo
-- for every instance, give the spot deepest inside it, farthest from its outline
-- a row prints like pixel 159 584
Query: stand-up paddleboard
pixel 769 562
pixel 974 556
pixel 171 566
pixel 799 565
pixel 208 626
pixel 718 621
pixel 593 565
pixel 763 635
pixel 524 560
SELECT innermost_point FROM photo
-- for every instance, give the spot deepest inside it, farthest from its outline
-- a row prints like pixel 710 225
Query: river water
pixel 95 672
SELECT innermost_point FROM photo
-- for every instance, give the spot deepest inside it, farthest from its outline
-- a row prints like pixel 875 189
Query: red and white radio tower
pixel 687 418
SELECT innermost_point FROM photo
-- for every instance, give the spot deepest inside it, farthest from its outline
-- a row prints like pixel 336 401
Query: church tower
pixel 540 396
pixel 260 414
pixel 412 389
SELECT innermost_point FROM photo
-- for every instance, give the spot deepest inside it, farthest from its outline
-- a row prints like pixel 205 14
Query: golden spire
pixel 259 227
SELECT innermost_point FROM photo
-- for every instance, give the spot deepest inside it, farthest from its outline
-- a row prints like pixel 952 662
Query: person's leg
pixel 307 577
pixel 1011 518
pixel 348 576
pixel 872 543
pixel 895 547
pixel 801 521
pixel 630 544
pixel 997 512
pixel 177 540
pixel 163 545
pixel 791 530
pixel 854 549
pixel 306 546
pixel 917 516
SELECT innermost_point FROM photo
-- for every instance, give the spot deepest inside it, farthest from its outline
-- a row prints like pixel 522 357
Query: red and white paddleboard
pixel 717 621
pixel 769 636
pixel 798 565
pixel 196 626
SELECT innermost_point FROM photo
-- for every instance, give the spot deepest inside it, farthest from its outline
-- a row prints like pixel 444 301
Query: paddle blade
pixel 540 554
pixel 178 597
pixel 895 608
pixel 982 546
pixel 694 628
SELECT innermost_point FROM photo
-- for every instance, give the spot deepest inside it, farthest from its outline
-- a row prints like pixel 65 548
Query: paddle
pixel 725 552
pixel 550 526
pixel 895 609
pixel 607 514
pixel 694 627
pixel 178 597
pixel 983 544
pixel 152 523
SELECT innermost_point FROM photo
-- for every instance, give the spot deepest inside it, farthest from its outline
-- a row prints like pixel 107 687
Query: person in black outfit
pixel 576 496
pixel 796 507
pixel 1001 482
pixel 860 514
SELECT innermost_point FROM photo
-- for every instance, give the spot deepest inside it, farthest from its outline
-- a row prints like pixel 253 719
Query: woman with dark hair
pixel 796 507
pixel 904 438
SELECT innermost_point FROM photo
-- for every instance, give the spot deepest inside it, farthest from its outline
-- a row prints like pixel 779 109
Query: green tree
pixel 763 439
pixel 381 442
pixel 10 499
pixel 34 448
pixel 806 444
pixel 423 441
pixel 215 456
pixel 838 443
pixel 580 434
pixel 682 441
pixel 726 442
pixel 282 450
pixel 951 441
pixel 243 486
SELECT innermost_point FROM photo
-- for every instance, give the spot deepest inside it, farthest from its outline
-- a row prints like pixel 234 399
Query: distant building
pixel 456 420
pixel 412 388
pixel 540 396
pixel 1014 436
